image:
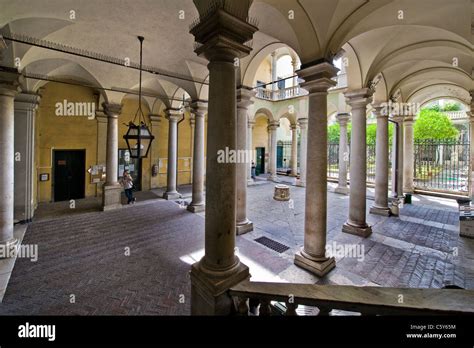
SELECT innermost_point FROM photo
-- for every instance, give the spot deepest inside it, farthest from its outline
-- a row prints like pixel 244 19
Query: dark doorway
pixel 133 165
pixel 280 156
pixel 260 165
pixel 69 174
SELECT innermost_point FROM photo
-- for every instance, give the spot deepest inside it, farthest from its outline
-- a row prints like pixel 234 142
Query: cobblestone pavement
pixel 83 257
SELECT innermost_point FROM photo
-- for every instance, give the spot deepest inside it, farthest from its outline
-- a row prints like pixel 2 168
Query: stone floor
pixel 135 261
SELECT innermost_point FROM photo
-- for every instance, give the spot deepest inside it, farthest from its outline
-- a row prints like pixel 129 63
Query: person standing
pixel 127 183
pixel 254 169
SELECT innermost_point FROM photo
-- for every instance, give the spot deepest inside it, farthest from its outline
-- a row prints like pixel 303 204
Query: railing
pixel 333 161
pixel 457 115
pixel 442 166
pixel 259 298
pixel 341 80
pixel 280 94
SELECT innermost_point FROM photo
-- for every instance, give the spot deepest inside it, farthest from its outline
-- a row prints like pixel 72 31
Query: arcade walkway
pixel 85 257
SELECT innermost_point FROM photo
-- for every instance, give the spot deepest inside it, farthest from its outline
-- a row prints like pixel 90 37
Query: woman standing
pixel 127 183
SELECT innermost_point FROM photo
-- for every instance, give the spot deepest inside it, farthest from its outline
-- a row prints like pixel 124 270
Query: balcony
pixel 295 91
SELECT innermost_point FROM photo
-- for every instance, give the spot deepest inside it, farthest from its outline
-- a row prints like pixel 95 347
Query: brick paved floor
pixel 84 254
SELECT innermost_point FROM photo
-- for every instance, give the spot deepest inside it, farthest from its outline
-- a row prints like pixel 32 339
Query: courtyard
pixel 136 260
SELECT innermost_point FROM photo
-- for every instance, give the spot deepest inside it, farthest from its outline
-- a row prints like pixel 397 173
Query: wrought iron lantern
pixel 138 136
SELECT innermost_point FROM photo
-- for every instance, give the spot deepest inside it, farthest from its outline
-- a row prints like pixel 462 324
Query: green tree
pixel 432 124
pixel 451 107
pixel 334 132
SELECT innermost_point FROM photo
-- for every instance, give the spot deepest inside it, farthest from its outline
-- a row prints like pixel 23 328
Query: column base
pixel 361 231
pixel 300 183
pixel 319 268
pixel 273 178
pixel 8 248
pixel 380 211
pixel 111 197
pixel 196 208
pixel 171 195
pixel 209 292
pixel 250 182
pixel 245 227
pixel 343 190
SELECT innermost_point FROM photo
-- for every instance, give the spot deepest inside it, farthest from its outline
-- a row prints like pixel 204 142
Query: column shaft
pixel 312 256
pixel 273 151
pixel 7 240
pixel 342 188
pixel 408 152
pixel 303 122
pixel 244 96
pixel 294 150
pixel 173 115
pixel 356 224
pixel 197 203
pixel 111 194
pixel 380 206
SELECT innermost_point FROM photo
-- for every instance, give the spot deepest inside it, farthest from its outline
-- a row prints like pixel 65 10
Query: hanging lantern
pixel 138 136
pixel 138 140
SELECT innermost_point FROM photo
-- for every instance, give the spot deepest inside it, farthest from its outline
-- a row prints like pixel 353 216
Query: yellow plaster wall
pixel 63 133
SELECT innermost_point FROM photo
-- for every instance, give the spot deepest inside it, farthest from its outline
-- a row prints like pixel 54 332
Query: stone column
pixel 274 75
pixel 303 123
pixel 8 90
pixel 409 159
pixel 272 129
pixel 294 150
pixel 24 125
pixel 199 109
pixel 244 100
pixel 312 257
pixel 397 157
pixel 380 206
pixel 342 119
pixel 173 116
pixel 111 194
pixel 192 123
pixel 294 64
pixel 250 125
pixel 471 147
pixel 356 224
pixel 220 37
pixel 155 120
pixel 101 119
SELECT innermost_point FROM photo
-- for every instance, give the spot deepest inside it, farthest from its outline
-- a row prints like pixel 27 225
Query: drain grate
pixel 272 244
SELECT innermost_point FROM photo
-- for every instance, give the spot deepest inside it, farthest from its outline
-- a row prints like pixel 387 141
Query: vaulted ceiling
pixel 418 49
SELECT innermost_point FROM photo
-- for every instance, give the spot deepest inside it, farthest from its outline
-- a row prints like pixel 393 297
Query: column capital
pixel 173 115
pixel 293 126
pixel 199 108
pixel 251 124
pixel 359 98
pixel 342 118
pixel 381 110
pixel 27 101
pixel 221 36
pixel 318 76
pixel 272 126
pixel 245 97
pixel 409 119
pixel 398 119
pixel 9 81
pixel 303 123
pixel 112 110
